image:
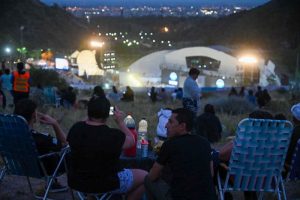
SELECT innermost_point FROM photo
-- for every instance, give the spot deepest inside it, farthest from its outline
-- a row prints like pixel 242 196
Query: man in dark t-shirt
pixel 95 151
pixel 100 150
pixel 189 159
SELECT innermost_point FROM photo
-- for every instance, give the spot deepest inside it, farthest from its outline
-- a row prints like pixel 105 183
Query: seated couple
pixel 96 148
pixel 95 152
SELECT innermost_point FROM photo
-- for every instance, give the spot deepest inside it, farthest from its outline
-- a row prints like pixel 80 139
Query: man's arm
pixel 155 171
pixel 129 138
pixel 59 133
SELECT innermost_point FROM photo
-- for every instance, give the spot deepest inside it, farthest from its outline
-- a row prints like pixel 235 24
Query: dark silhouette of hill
pixel 272 25
pixel 44 26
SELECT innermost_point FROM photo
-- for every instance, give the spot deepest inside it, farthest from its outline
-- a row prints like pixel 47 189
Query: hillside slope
pixel 44 26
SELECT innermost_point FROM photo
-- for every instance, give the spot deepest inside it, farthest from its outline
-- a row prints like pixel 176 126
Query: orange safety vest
pixel 21 82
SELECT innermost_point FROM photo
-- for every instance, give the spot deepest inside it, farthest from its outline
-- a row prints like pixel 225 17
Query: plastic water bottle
pixel 143 125
pixel 142 131
pixel 144 145
pixel 130 123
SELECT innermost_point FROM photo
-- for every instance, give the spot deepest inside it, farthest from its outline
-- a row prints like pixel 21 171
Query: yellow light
pixel 166 29
pixel 248 59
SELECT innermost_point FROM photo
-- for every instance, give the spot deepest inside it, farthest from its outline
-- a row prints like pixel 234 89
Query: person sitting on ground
pixel 98 92
pixel 233 92
pixel 173 95
pixel 266 96
pixel 208 124
pixel 114 95
pixel 250 97
pixel 162 95
pixel 189 159
pixel 95 152
pixel 242 92
pixel 179 93
pixel 260 97
pixel 128 95
pixel 69 98
pixel 43 141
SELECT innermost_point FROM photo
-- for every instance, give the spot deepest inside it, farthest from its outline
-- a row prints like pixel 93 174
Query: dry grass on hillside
pixel 142 107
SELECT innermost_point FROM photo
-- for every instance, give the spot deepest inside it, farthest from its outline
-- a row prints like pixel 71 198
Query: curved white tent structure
pixel 149 65
pixel 228 62
pixel 155 68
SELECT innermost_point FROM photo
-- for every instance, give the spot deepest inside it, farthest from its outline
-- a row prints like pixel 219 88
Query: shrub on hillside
pixel 47 78
pixel 232 105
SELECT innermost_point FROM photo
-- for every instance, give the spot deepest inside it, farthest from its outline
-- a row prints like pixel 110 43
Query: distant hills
pixel 274 26
pixel 43 26
pixel 155 3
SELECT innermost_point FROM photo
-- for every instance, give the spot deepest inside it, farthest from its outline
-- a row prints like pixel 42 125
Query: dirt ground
pixel 16 188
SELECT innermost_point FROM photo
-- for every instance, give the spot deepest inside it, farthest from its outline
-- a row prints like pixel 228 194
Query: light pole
pixel 21 35
pixel 8 53
pixel 248 61
pixel 98 45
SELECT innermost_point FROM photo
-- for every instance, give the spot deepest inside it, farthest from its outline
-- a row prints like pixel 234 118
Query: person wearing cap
pixel 191 91
pixel 295 135
pixel 20 83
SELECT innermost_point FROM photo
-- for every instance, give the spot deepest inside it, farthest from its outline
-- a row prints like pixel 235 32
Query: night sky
pixel 155 2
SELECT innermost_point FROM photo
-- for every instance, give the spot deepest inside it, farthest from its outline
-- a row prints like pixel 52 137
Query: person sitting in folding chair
pixel 44 142
pixel 188 158
pixel 95 151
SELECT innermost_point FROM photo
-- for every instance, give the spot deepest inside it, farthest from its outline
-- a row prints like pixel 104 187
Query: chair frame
pixel 257 157
pixel 51 97
pixel 15 164
pixel 98 196
pixel 294 173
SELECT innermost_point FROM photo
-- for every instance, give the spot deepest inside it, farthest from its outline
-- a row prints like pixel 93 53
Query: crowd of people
pixel 261 97
pixel 186 155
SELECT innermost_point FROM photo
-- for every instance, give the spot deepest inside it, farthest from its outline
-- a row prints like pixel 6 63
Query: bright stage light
pixel 248 59
pixel 97 44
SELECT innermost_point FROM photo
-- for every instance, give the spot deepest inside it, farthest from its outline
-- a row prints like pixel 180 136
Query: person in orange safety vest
pixel 21 83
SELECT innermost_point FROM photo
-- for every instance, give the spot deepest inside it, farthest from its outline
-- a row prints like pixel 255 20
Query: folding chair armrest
pixel 49 154
pixel 65 149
